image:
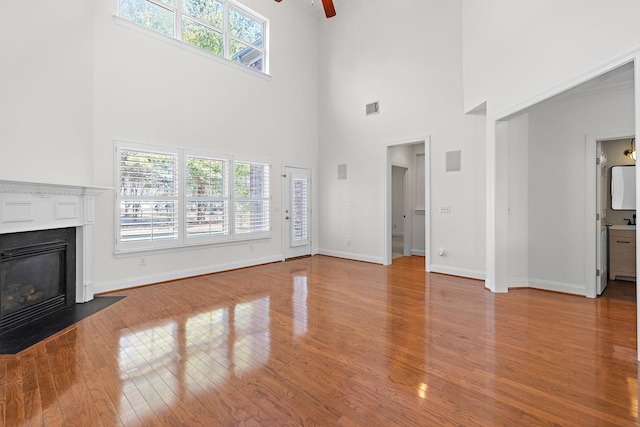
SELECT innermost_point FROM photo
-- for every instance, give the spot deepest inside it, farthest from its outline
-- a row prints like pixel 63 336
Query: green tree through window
pixel 220 27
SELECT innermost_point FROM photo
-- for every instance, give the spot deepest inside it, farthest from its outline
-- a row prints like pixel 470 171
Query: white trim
pixel 515 283
pixel 351 256
pixel 636 81
pixel 594 72
pixel 45 189
pixel 46 206
pixel 455 271
pixel 591 209
pixel 194 246
pixel 550 285
pixel 418 252
pixel 133 282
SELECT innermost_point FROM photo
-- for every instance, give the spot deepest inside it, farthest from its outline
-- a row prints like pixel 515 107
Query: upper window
pixel 173 197
pixel 221 27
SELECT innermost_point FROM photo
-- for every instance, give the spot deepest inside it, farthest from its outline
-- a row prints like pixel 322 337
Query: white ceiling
pixel 317 8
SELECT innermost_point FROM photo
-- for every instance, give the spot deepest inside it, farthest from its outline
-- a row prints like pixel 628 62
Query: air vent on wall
pixel 373 108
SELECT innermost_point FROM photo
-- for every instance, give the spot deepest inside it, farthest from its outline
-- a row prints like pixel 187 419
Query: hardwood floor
pixel 322 341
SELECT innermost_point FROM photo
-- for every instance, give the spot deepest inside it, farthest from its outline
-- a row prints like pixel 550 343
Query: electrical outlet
pixel 348 242
pixel 143 261
pixel 445 209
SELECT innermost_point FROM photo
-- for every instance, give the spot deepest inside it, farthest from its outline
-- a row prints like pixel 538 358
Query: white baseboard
pixel 548 285
pixel 518 283
pixel 350 255
pixel 97 288
pixel 398 234
pixel 418 252
pixel 462 272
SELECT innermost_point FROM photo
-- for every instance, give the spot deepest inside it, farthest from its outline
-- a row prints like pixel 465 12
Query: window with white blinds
pixel 173 197
pixel 148 197
pixel 207 197
pixel 251 197
pixel 299 210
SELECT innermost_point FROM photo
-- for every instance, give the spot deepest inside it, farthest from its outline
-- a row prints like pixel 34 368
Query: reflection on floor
pixel 620 290
pixel 397 246
pixel 323 341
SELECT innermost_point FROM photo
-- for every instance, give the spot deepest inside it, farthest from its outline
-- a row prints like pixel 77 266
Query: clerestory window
pixel 223 28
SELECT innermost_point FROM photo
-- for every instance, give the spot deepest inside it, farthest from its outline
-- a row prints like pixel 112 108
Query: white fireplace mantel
pixel 30 206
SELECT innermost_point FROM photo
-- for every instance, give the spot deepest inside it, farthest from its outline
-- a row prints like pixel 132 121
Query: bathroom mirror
pixel 623 187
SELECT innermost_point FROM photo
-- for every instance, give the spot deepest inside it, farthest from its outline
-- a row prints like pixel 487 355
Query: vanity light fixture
pixel 631 151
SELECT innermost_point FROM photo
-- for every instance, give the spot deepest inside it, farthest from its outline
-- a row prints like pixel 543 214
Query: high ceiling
pixel 316 8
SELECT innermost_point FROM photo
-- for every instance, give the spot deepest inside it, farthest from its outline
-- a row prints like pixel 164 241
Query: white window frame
pixel 176 9
pixel 195 240
pixel 143 244
pixel 183 241
pixel 265 199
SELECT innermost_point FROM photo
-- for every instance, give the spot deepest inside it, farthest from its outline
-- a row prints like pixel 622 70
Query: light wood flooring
pixel 321 341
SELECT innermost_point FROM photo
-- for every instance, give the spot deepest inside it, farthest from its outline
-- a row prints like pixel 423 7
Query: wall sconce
pixel 631 151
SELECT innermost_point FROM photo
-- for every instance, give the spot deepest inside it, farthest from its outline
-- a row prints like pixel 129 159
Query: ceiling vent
pixel 373 108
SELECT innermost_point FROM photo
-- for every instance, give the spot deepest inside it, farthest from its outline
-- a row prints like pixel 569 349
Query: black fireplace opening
pixel 37 275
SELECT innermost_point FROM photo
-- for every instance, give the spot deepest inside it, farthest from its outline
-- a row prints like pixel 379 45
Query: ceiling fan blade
pixel 329 10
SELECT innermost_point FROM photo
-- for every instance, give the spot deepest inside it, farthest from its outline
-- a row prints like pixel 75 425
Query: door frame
pixel 496 254
pixel 281 209
pixel 388 203
pixel 592 230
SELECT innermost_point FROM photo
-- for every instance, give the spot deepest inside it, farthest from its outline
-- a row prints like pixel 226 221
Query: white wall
pixel 408 57
pixel 78 80
pixel 556 214
pixel 46 100
pixel 518 201
pixel 516 49
pixel 148 91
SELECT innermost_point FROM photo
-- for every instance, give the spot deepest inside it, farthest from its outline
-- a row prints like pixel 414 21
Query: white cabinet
pixel 622 254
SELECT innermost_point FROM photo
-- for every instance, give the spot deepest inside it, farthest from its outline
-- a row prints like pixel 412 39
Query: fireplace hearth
pixel 37 275
pixel 46 284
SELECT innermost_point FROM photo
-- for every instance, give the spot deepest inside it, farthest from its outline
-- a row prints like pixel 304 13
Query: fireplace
pixel 37 275
pixel 31 206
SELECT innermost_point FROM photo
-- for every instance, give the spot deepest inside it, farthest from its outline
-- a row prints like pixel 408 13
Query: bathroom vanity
pixel 622 252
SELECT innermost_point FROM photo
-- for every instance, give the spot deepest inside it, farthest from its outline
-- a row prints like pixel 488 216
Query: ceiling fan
pixel 329 10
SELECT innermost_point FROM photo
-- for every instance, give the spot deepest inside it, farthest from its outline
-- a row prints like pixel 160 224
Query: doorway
pixel 407 220
pixel 297 212
pixel 614 224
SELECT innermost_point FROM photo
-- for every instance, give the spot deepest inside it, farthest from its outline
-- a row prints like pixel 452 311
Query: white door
pixel 602 245
pixel 297 212
pixel 401 234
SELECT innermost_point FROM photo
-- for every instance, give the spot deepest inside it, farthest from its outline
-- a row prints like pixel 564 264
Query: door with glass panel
pixel 297 212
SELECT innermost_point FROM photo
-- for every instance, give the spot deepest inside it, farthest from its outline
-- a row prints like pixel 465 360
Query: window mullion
pixel 178 19
pixel 182 191
pixel 232 199
pixel 225 31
